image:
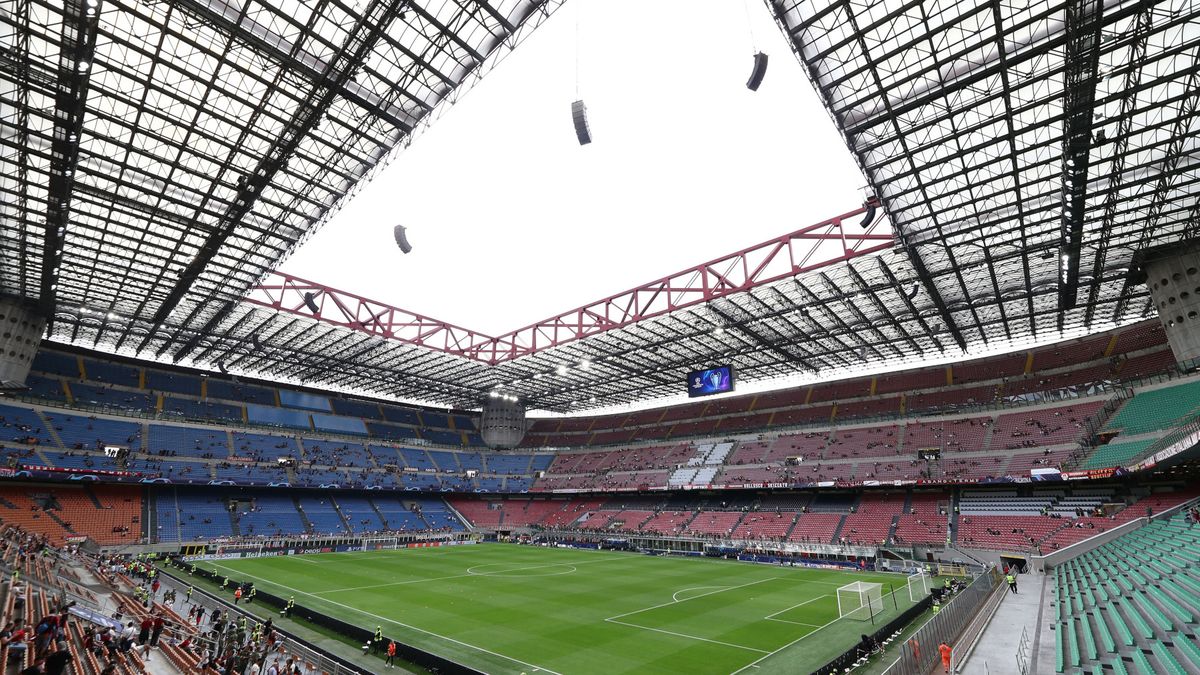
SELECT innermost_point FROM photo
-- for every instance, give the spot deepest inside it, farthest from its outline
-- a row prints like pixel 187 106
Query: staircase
pixel 51 430
pixel 891 535
pixel 987 435
pixel 379 513
pixel 234 523
pixel 54 516
pixel 303 516
pixel 149 518
pixel 837 531
pixel 87 490
pixel 341 516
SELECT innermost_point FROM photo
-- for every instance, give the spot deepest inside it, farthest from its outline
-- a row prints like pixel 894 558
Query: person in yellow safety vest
pixel 1011 579
pixel 377 643
pixel 287 611
pixel 15 575
pixel 250 595
pixel 937 607
pixel 947 585
pixel 189 593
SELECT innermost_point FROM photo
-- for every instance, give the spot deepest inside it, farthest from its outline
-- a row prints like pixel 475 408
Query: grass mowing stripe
pixel 468 574
pixel 508 607
pixel 397 623
pixel 690 637
pixel 694 597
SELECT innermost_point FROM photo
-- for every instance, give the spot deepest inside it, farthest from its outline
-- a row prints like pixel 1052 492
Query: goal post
pixel 860 601
pixel 918 587
pixel 380 543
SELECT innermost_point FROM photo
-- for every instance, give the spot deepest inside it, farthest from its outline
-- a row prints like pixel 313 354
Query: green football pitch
pixel 504 608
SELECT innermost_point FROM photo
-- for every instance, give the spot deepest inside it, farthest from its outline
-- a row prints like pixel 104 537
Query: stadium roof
pixel 160 159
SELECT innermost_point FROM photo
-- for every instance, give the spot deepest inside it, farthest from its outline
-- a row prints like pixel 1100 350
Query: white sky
pixel 512 221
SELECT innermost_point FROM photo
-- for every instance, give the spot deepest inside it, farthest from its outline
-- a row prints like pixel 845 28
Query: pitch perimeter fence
pixel 920 652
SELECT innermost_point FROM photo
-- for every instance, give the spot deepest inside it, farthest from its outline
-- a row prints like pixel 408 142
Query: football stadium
pixel 913 387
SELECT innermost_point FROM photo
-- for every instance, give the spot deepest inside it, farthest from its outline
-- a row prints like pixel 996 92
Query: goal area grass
pixel 503 608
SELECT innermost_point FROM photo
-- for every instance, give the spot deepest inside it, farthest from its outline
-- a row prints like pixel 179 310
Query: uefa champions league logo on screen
pixel 710 381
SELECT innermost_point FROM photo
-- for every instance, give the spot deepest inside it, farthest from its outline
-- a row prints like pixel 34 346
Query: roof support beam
pixel 80 20
pixel 1082 63
pixel 230 20
pixel 359 43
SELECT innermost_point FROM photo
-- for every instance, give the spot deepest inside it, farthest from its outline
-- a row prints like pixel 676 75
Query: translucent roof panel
pixel 1019 149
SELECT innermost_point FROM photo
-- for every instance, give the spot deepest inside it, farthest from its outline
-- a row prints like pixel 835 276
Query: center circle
pixel 554 570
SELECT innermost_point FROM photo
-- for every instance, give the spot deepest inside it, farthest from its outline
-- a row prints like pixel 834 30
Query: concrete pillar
pixel 1173 276
pixel 20 334
pixel 502 423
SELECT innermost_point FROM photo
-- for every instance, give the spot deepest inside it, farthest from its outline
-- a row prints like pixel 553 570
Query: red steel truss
pixel 831 241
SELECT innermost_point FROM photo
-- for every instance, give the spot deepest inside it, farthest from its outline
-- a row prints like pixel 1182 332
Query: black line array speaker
pixel 402 238
pixel 759 72
pixel 579 117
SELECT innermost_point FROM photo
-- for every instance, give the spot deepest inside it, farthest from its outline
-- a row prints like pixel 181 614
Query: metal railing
pixel 919 653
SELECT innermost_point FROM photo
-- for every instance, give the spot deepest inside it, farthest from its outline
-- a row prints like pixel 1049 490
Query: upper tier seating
pixel 1156 409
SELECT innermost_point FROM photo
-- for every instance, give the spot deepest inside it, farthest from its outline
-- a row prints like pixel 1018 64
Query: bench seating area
pixel 1132 604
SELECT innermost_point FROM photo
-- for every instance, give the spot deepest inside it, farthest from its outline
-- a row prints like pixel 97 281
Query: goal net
pixel 860 601
pixel 380 543
pixel 918 587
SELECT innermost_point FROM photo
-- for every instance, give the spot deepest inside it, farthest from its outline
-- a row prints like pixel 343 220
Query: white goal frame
pixel 918 586
pixel 860 601
pixel 386 543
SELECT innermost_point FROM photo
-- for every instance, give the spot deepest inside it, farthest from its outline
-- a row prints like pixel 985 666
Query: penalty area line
pixel 393 621
pixel 690 637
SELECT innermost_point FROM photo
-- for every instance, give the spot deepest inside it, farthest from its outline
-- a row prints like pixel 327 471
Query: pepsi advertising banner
pixel 710 381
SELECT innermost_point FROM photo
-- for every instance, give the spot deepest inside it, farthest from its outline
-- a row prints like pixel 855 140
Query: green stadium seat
pixel 1139 624
pixel 1142 664
pixel 1118 622
pixel 1172 606
pixel 1059 659
pixel 1106 638
pixel 1167 659
pixel 1118 666
pixel 1089 640
pixel 1125 584
pixel 1155 410
pixel 1186 597
pixel 1189 649
pixel 1073 641
pixel 1115 454
pixel 1162 621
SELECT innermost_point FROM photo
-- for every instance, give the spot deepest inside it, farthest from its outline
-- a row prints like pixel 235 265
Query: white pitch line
pixel 770 616
pixel 675 595
pixel 673 602
pixel 468 574
pixel 754 664
pixel 690 637
pixel 795 623
pixel 394 622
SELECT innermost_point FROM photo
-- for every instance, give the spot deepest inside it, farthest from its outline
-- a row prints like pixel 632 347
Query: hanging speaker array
pixel 401 234
pixel 579 117
pixel 759 72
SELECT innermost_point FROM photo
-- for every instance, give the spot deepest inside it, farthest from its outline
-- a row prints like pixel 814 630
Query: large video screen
pixel 710 381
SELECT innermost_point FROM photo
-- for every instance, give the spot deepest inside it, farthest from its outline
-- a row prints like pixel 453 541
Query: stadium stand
pixel 1136 597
